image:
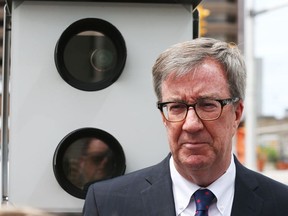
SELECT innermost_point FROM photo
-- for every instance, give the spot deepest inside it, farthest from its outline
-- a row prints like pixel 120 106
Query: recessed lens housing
pixel 90 54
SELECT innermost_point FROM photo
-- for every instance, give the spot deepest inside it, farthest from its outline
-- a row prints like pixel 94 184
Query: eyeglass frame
pixel 223 102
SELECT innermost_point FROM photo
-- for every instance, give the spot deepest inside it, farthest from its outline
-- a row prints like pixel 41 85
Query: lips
pixel 193 145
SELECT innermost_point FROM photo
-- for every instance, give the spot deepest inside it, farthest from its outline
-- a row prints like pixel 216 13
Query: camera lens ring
pixel 62 159
pixel 105 35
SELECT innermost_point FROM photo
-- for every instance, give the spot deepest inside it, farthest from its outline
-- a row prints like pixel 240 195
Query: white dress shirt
pixel 223 189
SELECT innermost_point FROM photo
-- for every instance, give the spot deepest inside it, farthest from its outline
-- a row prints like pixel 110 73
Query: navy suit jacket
pixel 148 192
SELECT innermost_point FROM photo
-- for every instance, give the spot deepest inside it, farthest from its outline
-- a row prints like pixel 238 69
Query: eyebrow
pixel 197 99
pixel 180 101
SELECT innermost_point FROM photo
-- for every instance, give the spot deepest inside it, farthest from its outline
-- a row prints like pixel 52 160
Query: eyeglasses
pixel 205 109
pixel 96 158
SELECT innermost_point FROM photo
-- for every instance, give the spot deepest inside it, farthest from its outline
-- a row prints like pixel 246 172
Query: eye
pixel 208 105
pixel 176 107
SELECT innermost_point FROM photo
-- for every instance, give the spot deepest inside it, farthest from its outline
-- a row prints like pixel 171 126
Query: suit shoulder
pixel 135 179
pixel 272 182
pixel 262 182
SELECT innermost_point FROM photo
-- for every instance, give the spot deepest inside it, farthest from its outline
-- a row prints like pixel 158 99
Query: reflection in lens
pixel 88 160
pixel 85 156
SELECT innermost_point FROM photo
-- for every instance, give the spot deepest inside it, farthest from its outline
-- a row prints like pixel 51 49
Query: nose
pixel 192 122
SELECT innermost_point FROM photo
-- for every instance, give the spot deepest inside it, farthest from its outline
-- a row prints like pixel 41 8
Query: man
pixel 200 85
pixel 95 163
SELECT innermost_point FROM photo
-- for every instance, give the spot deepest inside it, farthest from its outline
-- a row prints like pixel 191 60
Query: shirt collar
pixel 182 189
pixel 223 188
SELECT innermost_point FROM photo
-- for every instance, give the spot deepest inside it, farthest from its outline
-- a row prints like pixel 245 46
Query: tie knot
pixel 203 198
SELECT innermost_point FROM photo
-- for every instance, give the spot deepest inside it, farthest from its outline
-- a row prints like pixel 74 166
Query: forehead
pixel 208 79
pixel 97 145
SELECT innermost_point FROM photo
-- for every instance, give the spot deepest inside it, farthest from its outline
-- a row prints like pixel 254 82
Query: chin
pixel 197 162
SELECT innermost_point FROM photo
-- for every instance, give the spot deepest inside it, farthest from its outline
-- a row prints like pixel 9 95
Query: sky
pixel 270 38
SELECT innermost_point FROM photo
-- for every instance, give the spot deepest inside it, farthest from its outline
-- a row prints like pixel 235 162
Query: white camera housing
pixel 44 108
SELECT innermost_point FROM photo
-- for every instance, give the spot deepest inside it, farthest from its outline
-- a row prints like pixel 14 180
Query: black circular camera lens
pixel 90 54
pixel 85 156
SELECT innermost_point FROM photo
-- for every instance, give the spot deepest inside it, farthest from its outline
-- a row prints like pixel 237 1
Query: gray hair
pixel 183 57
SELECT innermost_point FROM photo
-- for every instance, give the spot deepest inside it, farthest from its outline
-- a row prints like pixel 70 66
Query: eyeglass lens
pixel 206 109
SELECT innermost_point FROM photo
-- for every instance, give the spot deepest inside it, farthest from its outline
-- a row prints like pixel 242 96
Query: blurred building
pixel 1 29
pixel 1 53
pixel 222 19
pixel 1 37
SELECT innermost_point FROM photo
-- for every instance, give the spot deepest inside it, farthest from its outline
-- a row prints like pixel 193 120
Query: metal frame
pixel 5 103
pixel 194 3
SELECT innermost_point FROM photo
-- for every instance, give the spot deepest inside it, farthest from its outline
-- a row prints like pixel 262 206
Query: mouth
pixel 194 145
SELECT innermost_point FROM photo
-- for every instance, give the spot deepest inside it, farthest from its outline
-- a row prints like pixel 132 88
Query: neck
pixel 206 176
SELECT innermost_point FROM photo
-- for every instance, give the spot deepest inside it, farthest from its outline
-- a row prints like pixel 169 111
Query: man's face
pixel 95 160
pixel 198 145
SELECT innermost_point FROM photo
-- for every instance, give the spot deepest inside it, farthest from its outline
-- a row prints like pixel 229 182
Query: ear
pixel 238 113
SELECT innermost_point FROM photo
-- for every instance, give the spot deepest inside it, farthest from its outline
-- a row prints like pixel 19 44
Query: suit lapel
pixel 158 196
pixel 246 201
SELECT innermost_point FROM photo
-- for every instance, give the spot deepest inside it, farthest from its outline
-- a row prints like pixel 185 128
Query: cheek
pixel 228 123
pixel 173 132
pixel 225 139
pixel 235 127
pixel 222 134
pixel 232 127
